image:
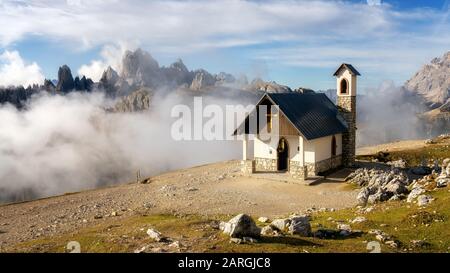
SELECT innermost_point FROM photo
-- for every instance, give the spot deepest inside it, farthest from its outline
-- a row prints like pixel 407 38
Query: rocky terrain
pixel 214 208
pixel 432 82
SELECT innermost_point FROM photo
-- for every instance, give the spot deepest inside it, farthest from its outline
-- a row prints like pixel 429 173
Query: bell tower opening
pixel 344 86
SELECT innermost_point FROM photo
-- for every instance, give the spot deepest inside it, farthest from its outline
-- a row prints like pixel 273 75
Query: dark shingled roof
pixel 348 66
pixel 314 115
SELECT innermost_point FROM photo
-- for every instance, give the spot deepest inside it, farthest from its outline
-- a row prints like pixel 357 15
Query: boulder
pixel 396 187
pixel 398 163
pixel 363 196
pixel 423 200
pixel 281 224
pixel 268 231
pixel 154 234
pixel 421 170
pixel 414 194
pixel 240 226
pixel 359 219
pixel 442 182
pixel 300 226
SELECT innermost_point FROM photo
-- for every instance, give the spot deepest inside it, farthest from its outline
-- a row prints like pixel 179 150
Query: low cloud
pixel 69 143
pixel 15 71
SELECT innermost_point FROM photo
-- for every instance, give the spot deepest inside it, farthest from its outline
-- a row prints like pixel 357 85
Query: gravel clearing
pixel 212 189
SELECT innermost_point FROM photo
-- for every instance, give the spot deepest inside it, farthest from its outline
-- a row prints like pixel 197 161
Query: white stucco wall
pixel 320 149
pixel 314 150
pixel 262 149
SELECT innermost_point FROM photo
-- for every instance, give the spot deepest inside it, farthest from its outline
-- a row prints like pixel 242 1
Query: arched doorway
pixel 344 86
pixel 333 146
pixel 282 155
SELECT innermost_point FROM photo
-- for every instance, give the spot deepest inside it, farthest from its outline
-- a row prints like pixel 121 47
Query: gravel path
pixel 210 189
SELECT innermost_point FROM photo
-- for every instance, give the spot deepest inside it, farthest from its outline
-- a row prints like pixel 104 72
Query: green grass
pixel 403 221
pixel 414 157
pixel 126 235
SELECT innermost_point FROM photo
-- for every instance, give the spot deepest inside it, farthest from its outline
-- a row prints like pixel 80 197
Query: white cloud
pixel 14 70
pixel 193 24
pixel 374 2
pixel 344 29
pixel 111 55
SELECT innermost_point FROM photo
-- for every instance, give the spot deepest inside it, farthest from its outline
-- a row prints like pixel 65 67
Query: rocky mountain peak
pixel 179 66
pixel 432 82
pixel 65 79
pixel 109 76
pixel 140 69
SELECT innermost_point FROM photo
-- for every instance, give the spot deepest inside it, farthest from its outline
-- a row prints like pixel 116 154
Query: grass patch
pixel 413 157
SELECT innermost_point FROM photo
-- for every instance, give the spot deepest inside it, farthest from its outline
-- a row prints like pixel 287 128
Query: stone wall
pixel 265 164
pixel 324 165
pixel 296 170
pixel 248 166
pixel 347 107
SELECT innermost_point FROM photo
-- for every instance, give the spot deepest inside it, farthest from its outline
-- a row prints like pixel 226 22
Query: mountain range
pixel 140 71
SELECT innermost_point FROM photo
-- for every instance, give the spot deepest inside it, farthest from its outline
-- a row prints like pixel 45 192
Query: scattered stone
pixel 392 244
pixel 268 231
pixel 249 240
pixel 263 219
pixel 359 219
pixel 154 234
pixel 141 250
pixel 397 164
pixel 300 225
pixel 236 240
pixel 114 214
pixel 281 224
pixel 175 244
pixel 414 194
pixel 240 226
pixel 423 200
pixel 98 217
pixel 418 243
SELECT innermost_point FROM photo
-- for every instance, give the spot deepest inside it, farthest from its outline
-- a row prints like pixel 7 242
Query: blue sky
pixel 297 43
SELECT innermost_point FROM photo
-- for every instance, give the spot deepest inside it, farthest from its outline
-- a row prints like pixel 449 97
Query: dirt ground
pixel 391 147
pixel 214 189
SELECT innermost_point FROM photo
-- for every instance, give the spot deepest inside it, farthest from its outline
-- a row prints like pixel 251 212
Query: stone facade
pixel 314 169
pixel 248 166
pixel 347 107
pixel 265 164
pixel 296 170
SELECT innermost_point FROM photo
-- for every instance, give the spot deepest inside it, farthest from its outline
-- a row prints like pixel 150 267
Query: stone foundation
pixel 324 165
pixel 296 170
pixel 248 166
pixel 265 164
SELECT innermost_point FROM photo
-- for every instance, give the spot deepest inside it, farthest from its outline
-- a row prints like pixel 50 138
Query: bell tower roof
pixel 350 67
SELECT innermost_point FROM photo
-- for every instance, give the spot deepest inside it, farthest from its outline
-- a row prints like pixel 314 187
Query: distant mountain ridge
pixel 432 82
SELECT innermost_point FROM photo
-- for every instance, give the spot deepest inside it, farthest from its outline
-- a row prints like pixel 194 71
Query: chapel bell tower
pixel 346 76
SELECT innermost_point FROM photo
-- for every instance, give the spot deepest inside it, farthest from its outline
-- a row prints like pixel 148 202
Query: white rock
pixel 240 226
pixel 414 194
pixel 359 219
pixel 263 219
pixel 154 234
pixel 281 224
pixel 423 200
